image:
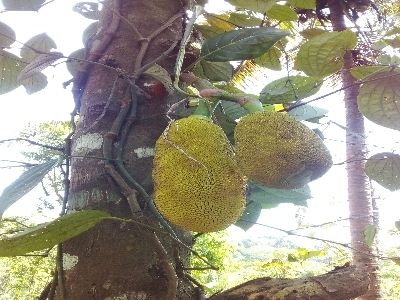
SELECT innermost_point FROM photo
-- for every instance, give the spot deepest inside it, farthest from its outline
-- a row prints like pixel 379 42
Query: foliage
pixel 23 277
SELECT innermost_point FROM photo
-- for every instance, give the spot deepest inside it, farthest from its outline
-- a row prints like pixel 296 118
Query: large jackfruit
pixel 198 185
pixel 277 151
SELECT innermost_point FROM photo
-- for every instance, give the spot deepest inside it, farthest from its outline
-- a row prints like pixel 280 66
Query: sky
pixel 55 103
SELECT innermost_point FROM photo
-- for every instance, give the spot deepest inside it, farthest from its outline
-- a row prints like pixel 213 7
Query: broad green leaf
pixel 271 197
pixel 227 125
pixel 282 13
pixel 378 45
pixel 307 112
pixel 386 59
pixel 89 10
pixel 369 234
pixel 24 184
pixel 89 33
pixel 261 6
pixel 47 235
pixel 323 55
pixel 214 71
pixel 10 66
pixel 39 63
pixel 7 35
pixel 305 4
pixel 312 32
pixel 361 72
pixel 249 216
pixel 233 110
pixel 270 59
pixel 384 168
pixel 159 73
pixel 394 42
pixel 74 65
pixel 208 31
pixel 240 44
pixel 37 45
pixel 392 31
pixel 23 5
pixel 244 20
pixel 379 99
pixel 289 89
pixel 35 83
pixel 220 22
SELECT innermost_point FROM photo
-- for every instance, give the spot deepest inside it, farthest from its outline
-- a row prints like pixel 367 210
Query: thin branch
pixel 172 279
pixel 22 163
pixel 61 149
pixel 60 272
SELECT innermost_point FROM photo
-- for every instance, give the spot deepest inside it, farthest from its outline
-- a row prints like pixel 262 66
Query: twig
pixel 127 191
pixel 172 279
pixel 60 272
pixel 24 164
pixel 61 149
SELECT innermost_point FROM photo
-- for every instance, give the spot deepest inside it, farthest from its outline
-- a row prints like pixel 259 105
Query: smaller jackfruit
pixel 275 150
pixel 198 185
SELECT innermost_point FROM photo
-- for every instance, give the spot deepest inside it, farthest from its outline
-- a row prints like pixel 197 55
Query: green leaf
pixel 240 44
pixel 233 110
pixel 159 73
pixel 282 13
pixel 208 31
pixel 7 35
pixel 22 5
pixel 379 99
pixel 89 10
pixel 89 33
pixel 302 254
pixel 35 83
pixel 220 22
pixel 271 197
pixel 394 42
pixel 73 66
pixel 290 89
pixel 214 71
pixel 10 66
pixel 378 45
pixel 312 32
pixel 361 72
pixel 369 234
pixel 249 216
pixel 386 59
pixel 396 260
pixel 47 235
pixel 270 59
pixel 323 55
pixel 37 45
pixel 384 168
pixel 39 63
pixel 305 4
pixel 244 20
pixel 308 112
pixel 24 184
pixel 261 6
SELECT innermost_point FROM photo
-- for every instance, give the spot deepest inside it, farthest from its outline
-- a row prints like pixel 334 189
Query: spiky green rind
pixel 198 185
pixel 277 151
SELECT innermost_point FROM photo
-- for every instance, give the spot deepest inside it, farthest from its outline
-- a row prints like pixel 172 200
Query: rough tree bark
pixel 359 196
pixel 119 260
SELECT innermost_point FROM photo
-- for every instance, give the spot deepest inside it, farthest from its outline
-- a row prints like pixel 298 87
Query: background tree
pixel 132 75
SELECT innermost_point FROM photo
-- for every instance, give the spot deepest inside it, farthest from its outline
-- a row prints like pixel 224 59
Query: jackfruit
pixel 275 150
pixel 198 185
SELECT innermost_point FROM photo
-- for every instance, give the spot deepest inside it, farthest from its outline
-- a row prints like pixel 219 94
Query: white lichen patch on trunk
pixel 144 152
pixel 69 261
pixel 87 143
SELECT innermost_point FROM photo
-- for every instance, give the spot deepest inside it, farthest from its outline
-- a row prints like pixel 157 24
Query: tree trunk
pixel 358 183
pixel 119 260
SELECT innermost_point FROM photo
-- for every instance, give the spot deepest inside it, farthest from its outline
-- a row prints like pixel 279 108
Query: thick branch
pixel 342 283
